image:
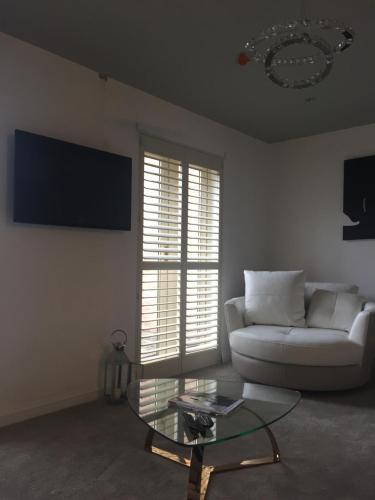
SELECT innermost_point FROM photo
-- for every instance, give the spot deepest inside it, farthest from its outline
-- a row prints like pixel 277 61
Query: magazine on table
pixel 205 403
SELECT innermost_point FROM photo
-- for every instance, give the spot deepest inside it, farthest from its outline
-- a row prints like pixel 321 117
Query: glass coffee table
pixel 262 406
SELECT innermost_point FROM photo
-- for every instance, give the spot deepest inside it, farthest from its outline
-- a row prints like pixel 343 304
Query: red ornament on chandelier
pixel 243 58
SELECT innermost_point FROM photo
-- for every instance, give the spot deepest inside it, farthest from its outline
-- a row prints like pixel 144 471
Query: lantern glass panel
pixel 117 376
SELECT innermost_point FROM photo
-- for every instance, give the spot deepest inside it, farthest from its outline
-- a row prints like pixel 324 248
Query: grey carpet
pixel 95 452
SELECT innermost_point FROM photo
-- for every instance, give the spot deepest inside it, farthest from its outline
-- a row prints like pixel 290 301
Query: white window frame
pixel 187 156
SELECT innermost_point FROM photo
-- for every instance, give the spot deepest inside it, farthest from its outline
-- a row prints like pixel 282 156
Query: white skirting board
pixel 48 407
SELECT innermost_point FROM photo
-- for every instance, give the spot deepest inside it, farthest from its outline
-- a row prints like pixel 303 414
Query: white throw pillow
pixel 275 298
pixel 311 286
pixel 335 310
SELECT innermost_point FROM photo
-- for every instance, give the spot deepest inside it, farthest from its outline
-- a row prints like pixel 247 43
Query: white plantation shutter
pixel 162 196
pixel 180 281
pixel 201 309
pixel 203 246
pixel 203 214
pixel 160 323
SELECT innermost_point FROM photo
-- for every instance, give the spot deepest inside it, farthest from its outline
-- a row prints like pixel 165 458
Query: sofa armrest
pixel 234 310
pixel 369 306
pixel 359 330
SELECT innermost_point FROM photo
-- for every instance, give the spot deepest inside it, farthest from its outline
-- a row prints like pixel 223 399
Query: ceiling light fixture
pixel 281 48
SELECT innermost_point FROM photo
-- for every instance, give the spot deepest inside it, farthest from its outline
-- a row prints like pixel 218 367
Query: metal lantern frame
pixel 118 371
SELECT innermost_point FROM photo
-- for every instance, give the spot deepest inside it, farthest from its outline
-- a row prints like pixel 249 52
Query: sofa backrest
pixel 311 286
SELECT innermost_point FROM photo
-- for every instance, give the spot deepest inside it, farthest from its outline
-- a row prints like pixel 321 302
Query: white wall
pixel 306 214
pixel 63 290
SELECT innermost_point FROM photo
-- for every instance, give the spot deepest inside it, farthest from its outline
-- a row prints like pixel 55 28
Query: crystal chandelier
pixel 303 47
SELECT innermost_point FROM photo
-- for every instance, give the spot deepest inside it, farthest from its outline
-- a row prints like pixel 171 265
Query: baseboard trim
pixel 50 407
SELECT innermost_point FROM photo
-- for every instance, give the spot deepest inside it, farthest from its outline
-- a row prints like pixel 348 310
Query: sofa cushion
pixel 275 298
pixel 311 286
pixel 333 310
pixel 297 346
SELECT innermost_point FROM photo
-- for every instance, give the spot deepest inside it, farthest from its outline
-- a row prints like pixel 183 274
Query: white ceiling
pixel 185 51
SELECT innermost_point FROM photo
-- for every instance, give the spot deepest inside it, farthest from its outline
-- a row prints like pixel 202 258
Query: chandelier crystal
pixel 303 47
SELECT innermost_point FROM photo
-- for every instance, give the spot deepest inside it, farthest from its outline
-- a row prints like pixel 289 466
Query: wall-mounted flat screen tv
pixel 63 184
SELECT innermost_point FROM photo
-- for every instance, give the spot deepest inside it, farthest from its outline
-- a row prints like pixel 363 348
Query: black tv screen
pixel 63 184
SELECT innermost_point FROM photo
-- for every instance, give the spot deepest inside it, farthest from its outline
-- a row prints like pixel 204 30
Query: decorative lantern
pixel 117 369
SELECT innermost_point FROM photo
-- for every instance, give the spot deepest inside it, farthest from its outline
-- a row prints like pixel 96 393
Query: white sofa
pixel 303 358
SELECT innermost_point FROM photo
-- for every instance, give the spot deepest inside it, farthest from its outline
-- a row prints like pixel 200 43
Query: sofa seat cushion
pixel 297 346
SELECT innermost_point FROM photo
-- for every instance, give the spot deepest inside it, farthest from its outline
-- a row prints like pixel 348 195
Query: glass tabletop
pixel 262 406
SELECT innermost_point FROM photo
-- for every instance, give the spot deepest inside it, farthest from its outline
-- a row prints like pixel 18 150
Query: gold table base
pixel 199 475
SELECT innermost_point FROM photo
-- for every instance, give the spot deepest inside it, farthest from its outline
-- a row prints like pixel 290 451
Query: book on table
pixel 213 404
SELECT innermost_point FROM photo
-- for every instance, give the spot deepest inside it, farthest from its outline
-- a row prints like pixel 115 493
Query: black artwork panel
pixel 359 198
